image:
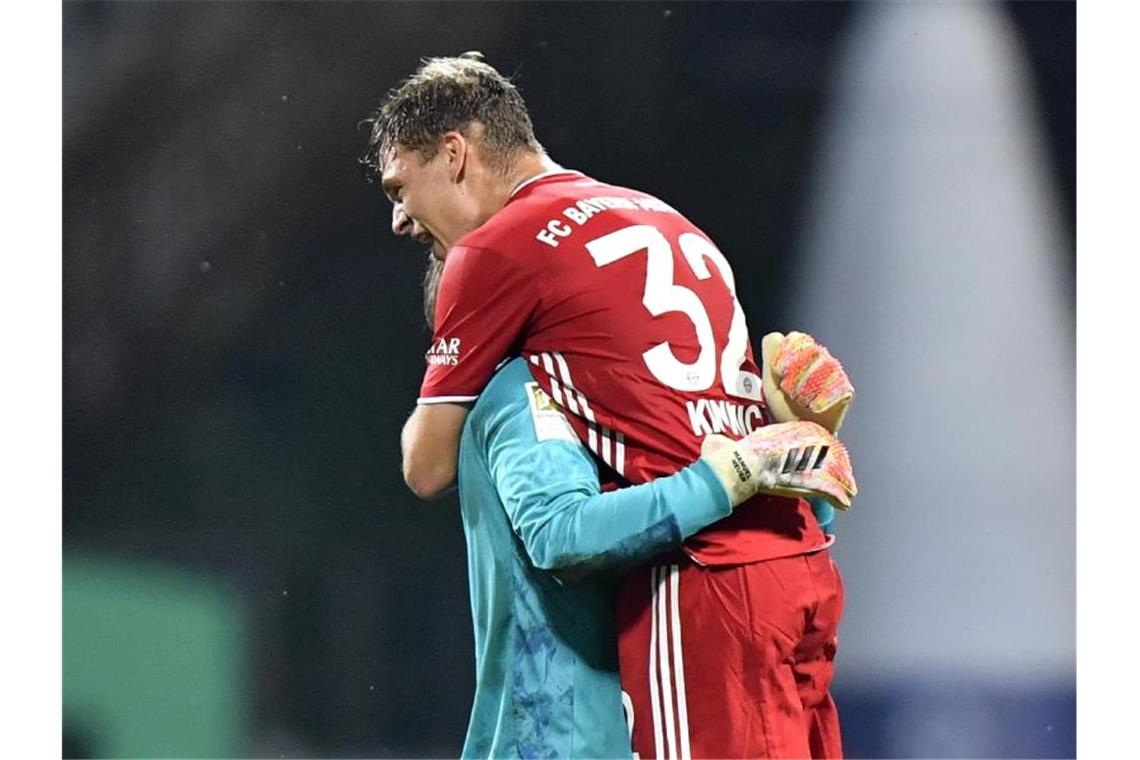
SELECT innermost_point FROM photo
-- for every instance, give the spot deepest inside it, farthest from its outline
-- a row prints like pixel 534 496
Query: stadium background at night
pixel 244 571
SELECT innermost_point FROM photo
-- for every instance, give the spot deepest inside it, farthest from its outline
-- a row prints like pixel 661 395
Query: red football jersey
pixel 628 315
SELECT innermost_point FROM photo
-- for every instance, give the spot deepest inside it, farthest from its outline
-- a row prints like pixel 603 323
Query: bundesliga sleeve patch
pixel 550 423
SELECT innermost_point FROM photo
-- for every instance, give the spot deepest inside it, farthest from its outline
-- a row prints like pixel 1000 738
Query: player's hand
pixel 803 381
pixel 786 459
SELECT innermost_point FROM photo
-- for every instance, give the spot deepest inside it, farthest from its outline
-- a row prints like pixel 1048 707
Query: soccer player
pixel 543 544
pixel 627 315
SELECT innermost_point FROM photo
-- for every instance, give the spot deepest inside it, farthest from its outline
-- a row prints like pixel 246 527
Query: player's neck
pixel 503 186
pixel 528 167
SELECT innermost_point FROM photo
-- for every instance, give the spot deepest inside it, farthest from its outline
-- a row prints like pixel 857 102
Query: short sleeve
pixel 484 304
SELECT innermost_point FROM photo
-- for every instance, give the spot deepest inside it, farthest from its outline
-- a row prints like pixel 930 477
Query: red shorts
pixel 732 661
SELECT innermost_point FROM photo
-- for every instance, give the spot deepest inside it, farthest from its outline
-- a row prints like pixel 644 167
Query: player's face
pixel 426 204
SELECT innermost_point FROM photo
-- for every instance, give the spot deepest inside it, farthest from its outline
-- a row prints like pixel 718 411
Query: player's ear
pixel 454 149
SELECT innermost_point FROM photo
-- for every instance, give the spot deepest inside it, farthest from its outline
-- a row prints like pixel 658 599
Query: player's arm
pixel 803 381
pixel 550 490
pixel 824 514
pixel 430 446
pixel 482 307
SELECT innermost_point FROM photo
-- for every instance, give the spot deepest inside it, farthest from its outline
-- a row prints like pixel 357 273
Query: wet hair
pixel 451 94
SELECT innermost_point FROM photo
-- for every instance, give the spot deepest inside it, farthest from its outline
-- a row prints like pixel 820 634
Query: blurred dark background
pixel 245 573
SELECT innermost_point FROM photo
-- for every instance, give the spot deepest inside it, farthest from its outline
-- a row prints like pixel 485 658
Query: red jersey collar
pixel 540 177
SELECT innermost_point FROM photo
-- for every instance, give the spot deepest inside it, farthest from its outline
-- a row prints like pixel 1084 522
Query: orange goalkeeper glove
pixel 803 381
pixel 787 459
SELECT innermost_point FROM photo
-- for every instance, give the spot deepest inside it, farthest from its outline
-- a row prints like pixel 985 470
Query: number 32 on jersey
pixel 663 295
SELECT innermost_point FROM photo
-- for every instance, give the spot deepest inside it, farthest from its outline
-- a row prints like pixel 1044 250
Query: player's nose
pixel 401 223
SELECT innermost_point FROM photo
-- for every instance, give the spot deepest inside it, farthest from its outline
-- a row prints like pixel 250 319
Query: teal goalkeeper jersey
pixel 543 548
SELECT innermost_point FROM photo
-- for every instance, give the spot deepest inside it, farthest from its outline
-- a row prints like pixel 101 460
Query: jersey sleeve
pixel 484 302
pixel 824 514
pixel 549 488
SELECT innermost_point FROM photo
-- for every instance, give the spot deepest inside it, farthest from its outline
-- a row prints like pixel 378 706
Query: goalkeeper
pixel 544 546
pixel 627 313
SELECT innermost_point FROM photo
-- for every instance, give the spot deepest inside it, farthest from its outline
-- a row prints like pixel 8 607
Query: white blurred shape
pixel 932 266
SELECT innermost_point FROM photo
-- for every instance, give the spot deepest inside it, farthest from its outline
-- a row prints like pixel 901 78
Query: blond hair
pixel 451 94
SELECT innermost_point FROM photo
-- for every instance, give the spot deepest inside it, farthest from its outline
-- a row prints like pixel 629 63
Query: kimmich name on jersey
pixel 628 317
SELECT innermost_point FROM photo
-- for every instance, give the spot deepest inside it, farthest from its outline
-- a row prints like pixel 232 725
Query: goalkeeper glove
pixel 803 381
pixel 787 459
